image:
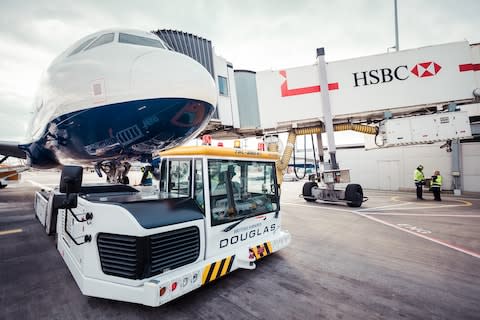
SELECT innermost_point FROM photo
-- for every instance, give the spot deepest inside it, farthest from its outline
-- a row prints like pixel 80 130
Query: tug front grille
pixel 144 257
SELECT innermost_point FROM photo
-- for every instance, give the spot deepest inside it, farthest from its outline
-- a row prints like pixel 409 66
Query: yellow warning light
pixel 236 144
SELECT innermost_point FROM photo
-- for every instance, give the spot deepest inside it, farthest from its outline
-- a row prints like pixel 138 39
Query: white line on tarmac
pixel 310 206
pixel 368 216
pixel 424 207
pixel 468 252
pixel 424 214
pixel 5 232
pixel 382 207
pixel 36 184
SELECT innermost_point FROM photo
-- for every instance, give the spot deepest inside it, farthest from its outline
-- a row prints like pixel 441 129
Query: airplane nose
pixel 168 74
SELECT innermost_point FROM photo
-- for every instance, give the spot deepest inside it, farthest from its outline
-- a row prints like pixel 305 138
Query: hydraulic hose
pixel 282 164
pixel 314 157
pixel 304 160
pixel 355 127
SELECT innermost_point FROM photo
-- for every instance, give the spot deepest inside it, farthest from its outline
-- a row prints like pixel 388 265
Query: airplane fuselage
pixel 117 95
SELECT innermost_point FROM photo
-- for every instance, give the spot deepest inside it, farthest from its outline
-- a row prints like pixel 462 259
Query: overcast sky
pixel 255 35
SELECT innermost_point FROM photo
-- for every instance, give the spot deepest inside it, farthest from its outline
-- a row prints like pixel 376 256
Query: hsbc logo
pixel 426 69
pixel 400 73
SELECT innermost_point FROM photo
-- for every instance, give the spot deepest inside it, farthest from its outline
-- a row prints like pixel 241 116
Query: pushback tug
pixel 216 210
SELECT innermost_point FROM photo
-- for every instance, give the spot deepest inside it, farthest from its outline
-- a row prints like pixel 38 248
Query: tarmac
pixel 393 258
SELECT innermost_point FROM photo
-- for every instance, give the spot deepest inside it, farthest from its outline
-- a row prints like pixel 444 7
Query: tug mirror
pixel 65 201
pixel 71 179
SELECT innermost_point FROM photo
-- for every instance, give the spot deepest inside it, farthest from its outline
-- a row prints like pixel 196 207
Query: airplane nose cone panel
pixel 168 74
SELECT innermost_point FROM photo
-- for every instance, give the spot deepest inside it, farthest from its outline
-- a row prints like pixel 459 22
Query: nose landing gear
pixel 116 172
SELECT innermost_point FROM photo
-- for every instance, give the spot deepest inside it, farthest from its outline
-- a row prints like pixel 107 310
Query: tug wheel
pixel 307 191
pixel 354 195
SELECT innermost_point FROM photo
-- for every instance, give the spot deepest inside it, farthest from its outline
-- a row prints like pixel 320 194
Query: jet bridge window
pixel 222 86
pixel 141 41
pixel 241 189
pixel 104 39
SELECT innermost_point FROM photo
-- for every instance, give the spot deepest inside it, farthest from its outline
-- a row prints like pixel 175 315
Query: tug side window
pixel 163 177
pixel 179 178
pixel 198 184
pixel 175 178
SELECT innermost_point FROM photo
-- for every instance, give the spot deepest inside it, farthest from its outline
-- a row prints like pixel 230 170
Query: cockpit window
pixel 141 41
pixel 104 39
pixel 80 47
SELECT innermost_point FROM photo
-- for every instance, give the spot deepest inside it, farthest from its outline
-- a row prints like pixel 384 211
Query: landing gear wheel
pixel 354 195
pixel 307 191
pixel 2 185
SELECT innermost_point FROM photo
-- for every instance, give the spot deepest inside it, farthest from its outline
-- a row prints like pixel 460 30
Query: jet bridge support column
pixel 456 156
pixel 353 193
pixel 326 109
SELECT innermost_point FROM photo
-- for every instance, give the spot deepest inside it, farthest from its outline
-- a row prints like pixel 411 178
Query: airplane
pixel 10 174
pixel 113 97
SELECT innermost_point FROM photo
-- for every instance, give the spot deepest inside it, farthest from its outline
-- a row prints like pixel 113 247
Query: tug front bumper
pixel 171 285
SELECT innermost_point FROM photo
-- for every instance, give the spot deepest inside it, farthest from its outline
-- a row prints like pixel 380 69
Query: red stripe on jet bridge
pixel 469 67
pixel 286 92
pixel 333 86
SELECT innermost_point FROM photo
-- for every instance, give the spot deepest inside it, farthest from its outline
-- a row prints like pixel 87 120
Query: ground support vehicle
pixel 216 210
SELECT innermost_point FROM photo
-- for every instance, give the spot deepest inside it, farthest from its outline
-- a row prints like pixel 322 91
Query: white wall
pixel 392 168
pixel 471 166
pixel 233 98
pixel 224 102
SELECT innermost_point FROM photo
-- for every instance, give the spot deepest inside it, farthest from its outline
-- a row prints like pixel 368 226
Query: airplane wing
pixel 11 149
pixel 12 170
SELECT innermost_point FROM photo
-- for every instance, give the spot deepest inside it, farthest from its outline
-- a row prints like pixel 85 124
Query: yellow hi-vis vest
pixel 418 175
pixel 437 182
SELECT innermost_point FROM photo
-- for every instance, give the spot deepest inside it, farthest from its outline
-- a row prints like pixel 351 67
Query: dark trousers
pixel 436 193
pixel 419 190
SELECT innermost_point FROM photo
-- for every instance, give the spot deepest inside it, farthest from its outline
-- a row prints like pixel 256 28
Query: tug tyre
pixel 307 191
pixel 2 185
pixel 354 195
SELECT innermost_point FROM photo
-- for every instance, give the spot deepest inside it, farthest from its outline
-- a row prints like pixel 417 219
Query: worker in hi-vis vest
pixel 147 176
pixel 419 179
pixel 436 185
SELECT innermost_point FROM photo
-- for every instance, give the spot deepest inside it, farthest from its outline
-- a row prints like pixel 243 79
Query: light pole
pixel 397 47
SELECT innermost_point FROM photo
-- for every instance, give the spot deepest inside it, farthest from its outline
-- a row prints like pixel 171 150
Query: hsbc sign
pixel 364 86
pixel 400 73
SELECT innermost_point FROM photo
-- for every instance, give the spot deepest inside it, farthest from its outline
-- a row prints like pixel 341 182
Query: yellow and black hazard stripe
pixel 262 250
pixel 217 269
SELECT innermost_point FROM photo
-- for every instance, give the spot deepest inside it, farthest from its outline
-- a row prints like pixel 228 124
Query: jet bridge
pixel 364 90
pixel 405 97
